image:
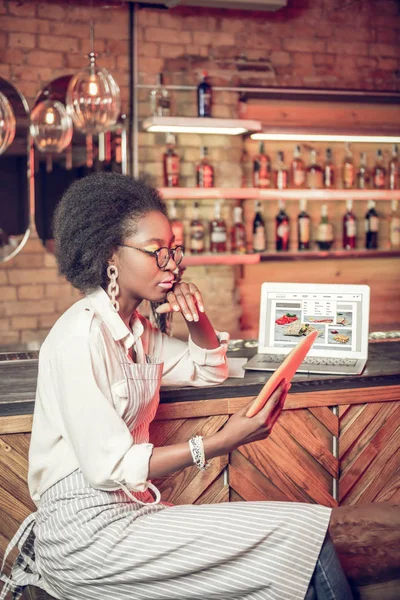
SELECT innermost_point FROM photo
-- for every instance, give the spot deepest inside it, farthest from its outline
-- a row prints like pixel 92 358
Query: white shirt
pixel 79 409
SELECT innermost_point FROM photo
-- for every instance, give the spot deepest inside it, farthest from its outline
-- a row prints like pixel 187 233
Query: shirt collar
pixel 120 332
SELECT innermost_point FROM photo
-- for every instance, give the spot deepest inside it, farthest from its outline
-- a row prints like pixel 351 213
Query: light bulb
pixel 51 126
pixel 7 123
pixel 93 88
pixel 49 117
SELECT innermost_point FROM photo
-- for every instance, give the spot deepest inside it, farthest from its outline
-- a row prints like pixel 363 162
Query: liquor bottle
pixel 238 233
pixel 394 170
pixel 246 165
pixel 379 172
pixel 363 176
pixel 329 170
pixel 303 226
pixel 204 97
pixel 315 174
pixel 197 232
pixel 282 228
pixel 297 170
pixel 160 102
pixel 205 171
pixel 281 173
pixel 325 230
pixel 218 233
pixel 349 227
pixel 242 106
pixel 259 237
pixel 176 226
pixel 394 227
pixel 171 163
pixel 371 227
pixel 348 175
pixel 262 175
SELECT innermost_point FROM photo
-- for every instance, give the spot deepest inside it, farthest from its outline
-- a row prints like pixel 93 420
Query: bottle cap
pixel 281 204
pixel 203 151
pixel 394 205
pixel 324 210
pixel 349 204
pixel 303 204
pixel 172 210
pixel 237 214
pixel 281 156
pixel 371 203
pixel 169 138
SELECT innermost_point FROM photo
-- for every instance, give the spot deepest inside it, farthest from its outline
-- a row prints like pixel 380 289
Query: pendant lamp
pixel 51 126
pixel 93 97
pixel 7 123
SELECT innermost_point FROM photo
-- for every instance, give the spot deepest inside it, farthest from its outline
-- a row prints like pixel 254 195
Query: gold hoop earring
pixel 113 287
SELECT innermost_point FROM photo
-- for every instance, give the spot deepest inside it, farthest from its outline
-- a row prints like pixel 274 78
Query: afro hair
pixel 95 214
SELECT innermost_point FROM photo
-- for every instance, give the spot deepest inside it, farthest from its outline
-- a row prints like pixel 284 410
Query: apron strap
pixel 152 487
pixel 24 570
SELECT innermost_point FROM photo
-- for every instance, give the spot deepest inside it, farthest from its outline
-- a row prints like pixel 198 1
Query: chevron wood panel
pixel 294 463
pixel 369 450
pixel 191 486
pixel 15 502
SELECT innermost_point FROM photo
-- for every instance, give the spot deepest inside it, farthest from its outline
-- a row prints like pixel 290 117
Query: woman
pixel 100 530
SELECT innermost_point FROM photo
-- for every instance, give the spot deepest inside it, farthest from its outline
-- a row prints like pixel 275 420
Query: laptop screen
pixel 337 316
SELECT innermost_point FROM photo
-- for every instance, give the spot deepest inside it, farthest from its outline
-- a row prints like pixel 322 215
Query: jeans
pixel 328 581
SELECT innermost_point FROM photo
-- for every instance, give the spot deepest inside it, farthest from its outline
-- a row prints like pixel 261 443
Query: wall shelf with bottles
pixel 192 260
pixel 318 254
pixel 273 194
pixel 201 125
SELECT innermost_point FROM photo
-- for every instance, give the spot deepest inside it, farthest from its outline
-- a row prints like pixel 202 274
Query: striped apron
pixel 84 543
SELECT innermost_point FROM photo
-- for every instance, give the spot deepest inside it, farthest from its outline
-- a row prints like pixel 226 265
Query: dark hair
pixel 95 214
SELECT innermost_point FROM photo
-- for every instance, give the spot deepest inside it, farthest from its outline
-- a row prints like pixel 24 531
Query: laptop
pixel 289 311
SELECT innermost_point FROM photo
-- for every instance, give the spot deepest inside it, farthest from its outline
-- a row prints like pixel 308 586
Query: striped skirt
pixel 94 544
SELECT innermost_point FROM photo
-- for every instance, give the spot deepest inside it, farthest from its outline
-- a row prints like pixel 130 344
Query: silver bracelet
pixel 197 450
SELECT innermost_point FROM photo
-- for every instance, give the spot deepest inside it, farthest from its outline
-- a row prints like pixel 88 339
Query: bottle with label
pixel 315 174
pixel 363 176
pixel 171 163
pixel 282 228
pixel 329 170
pixel 204 97
pixel 281 173
pixel 325 230
pixel 218 233
pixel 348 173
pixel 262 172
pixel 238 233
pixel 379 172
pixel 349 227
pixel 205 171
pixel 371 227
pixel 303 226
pixel 197 232
pixel 297 170
pixel 176 225
pixel 394 227
pixel 246 165
pixel 259 236
pixel 394 170
pixel 160 101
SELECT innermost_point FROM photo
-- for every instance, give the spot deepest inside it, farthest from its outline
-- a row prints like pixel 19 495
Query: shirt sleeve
pixel 186 363
pixel 100 439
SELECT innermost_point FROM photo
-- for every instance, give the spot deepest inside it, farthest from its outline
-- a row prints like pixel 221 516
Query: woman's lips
pixel 167 284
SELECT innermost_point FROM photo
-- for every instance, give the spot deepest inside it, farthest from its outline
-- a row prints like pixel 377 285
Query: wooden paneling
pixel 295 463
pixel 369 451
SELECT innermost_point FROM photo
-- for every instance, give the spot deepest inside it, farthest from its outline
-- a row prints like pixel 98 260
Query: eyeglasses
pixel 163 254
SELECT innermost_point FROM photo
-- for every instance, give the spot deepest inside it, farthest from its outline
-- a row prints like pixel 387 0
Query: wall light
pixel 326 137
pixel 200 125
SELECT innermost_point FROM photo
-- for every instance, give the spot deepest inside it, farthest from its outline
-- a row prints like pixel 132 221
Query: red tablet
pixel 285 371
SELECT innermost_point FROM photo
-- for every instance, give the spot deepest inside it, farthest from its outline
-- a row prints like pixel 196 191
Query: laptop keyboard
pixel 311 360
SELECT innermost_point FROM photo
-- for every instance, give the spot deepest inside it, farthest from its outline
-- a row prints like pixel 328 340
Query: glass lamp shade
pixel 7 123
pixel 93 99
pixel 51 126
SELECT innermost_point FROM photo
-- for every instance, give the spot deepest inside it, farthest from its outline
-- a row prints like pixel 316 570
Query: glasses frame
pixel 155 253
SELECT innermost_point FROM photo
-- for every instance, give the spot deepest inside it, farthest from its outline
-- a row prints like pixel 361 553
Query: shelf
pixel 200 125
pixel 273 194
pixel 192 260
pixel 320 254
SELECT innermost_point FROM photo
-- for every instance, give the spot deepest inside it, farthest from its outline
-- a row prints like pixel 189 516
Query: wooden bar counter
pixel 336 443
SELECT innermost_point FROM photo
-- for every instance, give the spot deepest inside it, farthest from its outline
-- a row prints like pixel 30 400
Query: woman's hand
pixel 241 430
pixel 185 298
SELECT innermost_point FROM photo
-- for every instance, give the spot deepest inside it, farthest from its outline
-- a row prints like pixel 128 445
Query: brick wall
pixel 308 44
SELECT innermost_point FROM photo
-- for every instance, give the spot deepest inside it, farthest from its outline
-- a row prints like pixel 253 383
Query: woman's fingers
pixel 273 401
pixel 164 308
pixel 185 298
